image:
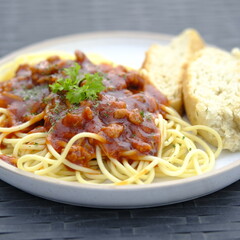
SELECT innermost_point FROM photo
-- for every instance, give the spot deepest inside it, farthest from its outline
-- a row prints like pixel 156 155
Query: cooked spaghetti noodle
pixel 127 136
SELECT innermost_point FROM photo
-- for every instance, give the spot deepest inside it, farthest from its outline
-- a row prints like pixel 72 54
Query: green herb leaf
pixel 74 93
pixel 142 113
pixel 105 114
pixel 72 80
pixel 148 117
pixel 73 72
pixel 56 87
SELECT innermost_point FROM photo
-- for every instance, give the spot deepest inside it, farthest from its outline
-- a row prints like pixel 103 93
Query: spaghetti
pixel 128 135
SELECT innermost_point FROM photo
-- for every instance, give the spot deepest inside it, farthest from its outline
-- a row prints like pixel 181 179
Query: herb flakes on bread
pixel 212 94
pixel 165 66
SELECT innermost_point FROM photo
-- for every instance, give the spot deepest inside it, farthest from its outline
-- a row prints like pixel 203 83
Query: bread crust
pixel 166 65
pixel 211 91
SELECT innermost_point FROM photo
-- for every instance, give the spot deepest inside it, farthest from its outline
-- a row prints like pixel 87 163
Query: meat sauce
pixel 124 113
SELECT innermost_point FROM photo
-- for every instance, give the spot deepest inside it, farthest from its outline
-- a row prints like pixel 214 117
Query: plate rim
pixel 175 182
pixel 85 35
pixel 98 35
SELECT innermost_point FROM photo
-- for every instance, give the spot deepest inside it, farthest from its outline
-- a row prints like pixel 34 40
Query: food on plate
pixel 212 94
pixel 165 65
pixel 74 120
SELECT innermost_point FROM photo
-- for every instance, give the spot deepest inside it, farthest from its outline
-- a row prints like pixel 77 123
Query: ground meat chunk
pixel 134 81
pixel 141 146
pixel 87 113
pixel 78 155
pixel 135 117
pixel 113 130
pixel 121 113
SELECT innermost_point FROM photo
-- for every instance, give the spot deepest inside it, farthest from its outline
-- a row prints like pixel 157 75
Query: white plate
pixel 125 48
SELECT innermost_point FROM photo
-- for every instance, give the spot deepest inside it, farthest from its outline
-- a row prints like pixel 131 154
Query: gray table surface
pixel 23 216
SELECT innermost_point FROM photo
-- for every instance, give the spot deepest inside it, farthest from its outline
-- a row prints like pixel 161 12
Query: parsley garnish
pixel 105 114
pixel 74 93
pixel 36 93
pixel 46 100
pixel 149 117
pixel 96 104
pixel 142 113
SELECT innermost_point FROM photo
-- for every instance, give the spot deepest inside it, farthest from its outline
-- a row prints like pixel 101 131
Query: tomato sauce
pixel 124 113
